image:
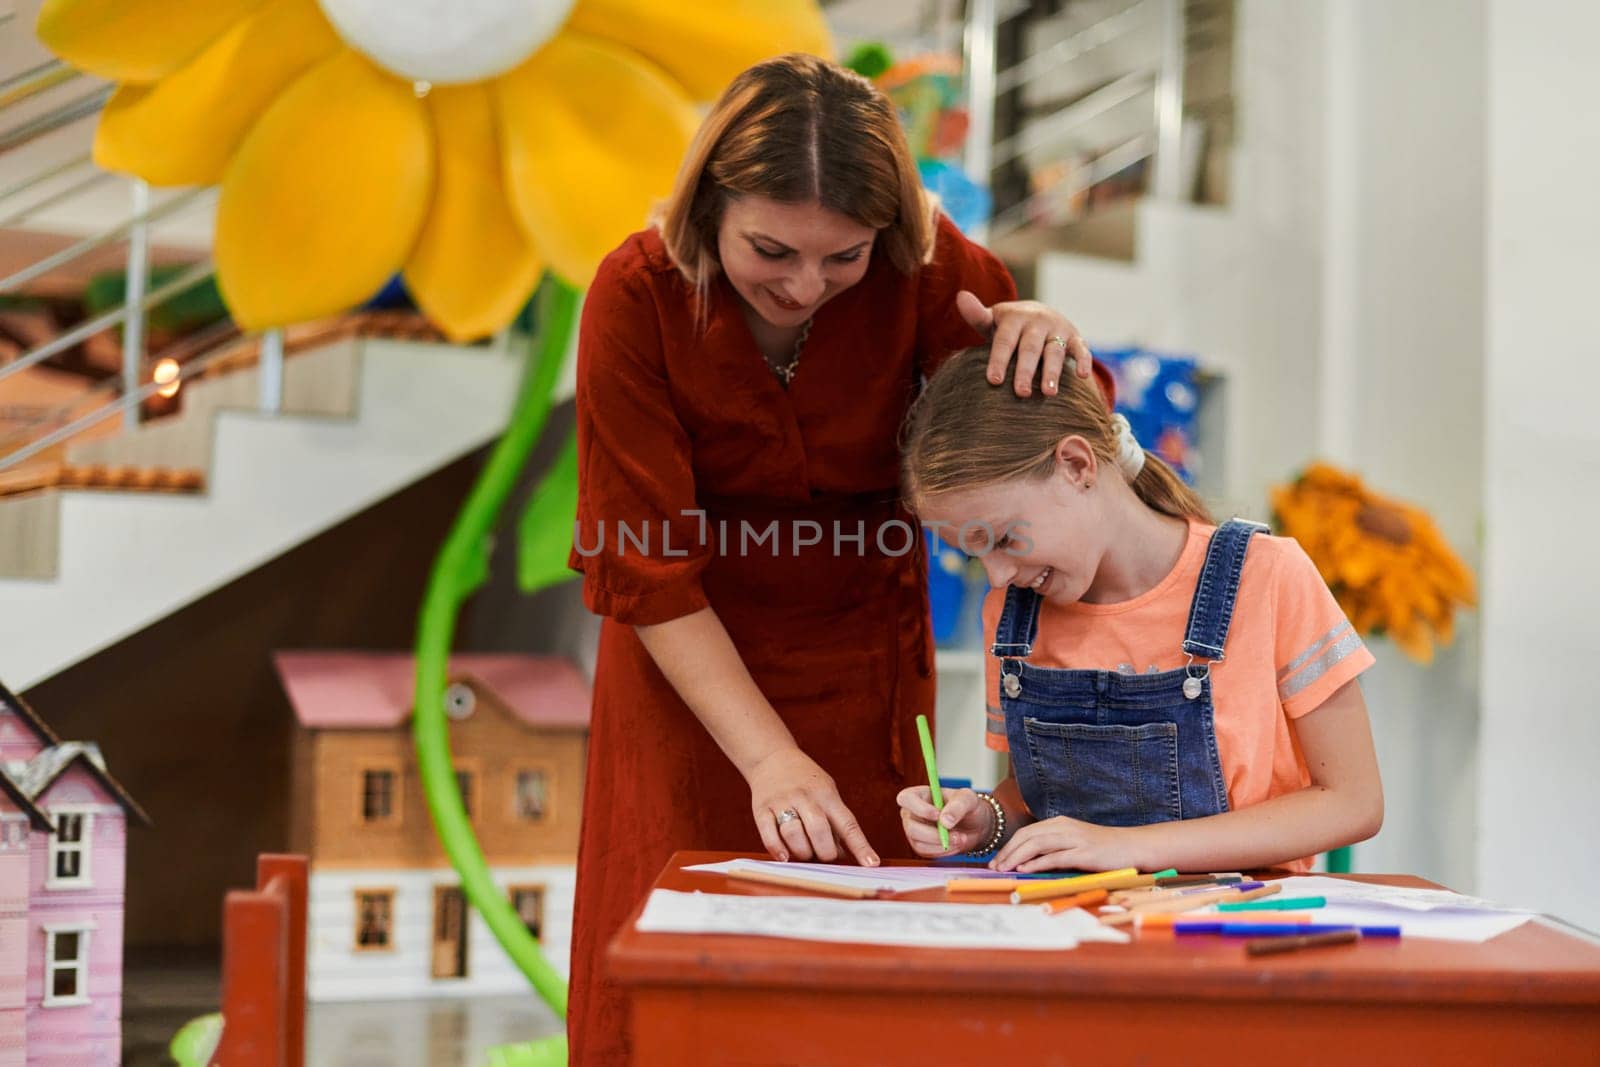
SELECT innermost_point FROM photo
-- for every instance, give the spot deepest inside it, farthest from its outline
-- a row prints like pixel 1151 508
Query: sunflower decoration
pixel 468 145
pixel 1389 567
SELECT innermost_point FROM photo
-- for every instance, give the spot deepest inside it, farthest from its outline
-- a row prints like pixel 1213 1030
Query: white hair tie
pixel 1130 456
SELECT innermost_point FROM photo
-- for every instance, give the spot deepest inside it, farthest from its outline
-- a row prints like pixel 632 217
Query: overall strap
pixel 1212 608
pixel 1019 620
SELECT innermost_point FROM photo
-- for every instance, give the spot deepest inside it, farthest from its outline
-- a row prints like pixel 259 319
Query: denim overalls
pixel 1122 749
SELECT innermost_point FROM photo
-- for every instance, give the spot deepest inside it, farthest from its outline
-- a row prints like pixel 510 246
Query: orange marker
pixel 1079 900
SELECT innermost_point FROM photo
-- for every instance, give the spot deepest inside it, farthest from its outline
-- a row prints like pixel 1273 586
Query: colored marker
pixel 1077 900
pixel 980 885
pixel 933 776
pixel 1273 945
pixel 1170 921
pixel 1279 929
pixel 1062 887
pixel 1286 904
pixel 1173 881
pixel 1190 900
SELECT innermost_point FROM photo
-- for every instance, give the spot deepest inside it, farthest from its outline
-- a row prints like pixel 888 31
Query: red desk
pixel 1529 996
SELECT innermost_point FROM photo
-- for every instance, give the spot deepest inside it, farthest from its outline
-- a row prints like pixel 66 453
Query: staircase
pixel 361 419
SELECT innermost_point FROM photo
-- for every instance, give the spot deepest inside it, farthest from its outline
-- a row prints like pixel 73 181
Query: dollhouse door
pixel 449 933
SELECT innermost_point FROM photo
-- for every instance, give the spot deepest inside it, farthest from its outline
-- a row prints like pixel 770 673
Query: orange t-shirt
pixel 1289 648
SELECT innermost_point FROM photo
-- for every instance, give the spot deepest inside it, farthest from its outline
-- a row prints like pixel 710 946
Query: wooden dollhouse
pixel 387 915
pixel 63 822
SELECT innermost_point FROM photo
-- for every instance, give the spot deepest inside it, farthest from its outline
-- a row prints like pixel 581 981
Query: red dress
pixel 673 420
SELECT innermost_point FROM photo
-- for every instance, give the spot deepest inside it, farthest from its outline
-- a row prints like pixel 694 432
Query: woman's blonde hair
pixel 963 432
pixel 798 129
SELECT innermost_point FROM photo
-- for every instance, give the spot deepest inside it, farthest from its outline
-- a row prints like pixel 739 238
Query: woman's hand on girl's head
pixel 790 780
pixel 1026 329
pixel 969 820
pixel 1063 844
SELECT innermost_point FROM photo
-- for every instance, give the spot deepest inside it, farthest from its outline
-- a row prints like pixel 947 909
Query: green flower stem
pixel 462 566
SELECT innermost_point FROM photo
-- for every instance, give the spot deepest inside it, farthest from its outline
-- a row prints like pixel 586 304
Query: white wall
pixel 1540 738
pixel 1401 386
pixel 1340 293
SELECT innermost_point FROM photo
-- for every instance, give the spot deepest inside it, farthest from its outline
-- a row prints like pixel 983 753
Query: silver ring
pixel 1056 340
pixel 787 815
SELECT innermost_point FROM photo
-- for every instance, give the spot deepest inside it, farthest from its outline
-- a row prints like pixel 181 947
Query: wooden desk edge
pixel 660 960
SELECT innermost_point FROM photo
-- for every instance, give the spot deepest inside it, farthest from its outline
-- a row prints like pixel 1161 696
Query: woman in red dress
pixel 743 370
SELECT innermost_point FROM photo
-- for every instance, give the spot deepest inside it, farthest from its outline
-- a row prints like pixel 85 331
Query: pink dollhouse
pixel 63 822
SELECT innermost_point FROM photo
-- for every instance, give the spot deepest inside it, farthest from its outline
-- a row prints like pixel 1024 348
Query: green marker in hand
pixel 933 775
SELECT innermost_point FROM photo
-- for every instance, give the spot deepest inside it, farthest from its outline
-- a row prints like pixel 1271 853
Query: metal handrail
pixel 48 174
pixel 1161 78
pixel 1085 40
pixel 94 418
pixel 198 272
pixel 51 121
pixel 1097 170
pixel 116 233
pixel 98 177
pixel 32 82
pixel 1097 103
pixel 186 348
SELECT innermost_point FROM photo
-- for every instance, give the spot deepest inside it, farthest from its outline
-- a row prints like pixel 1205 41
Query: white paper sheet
pixel 1348 892
pixel 1430 913
pixel 893 879
pixel 872 922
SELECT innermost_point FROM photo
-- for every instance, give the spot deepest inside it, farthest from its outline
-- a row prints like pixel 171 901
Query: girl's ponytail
pixel 1159 486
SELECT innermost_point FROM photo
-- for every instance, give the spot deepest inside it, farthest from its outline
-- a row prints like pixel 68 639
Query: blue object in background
pixel 1161 400
pixel 393 295
pixel 964 200
pixel 947 587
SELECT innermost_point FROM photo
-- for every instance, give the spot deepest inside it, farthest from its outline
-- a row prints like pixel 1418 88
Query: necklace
pixel 785 372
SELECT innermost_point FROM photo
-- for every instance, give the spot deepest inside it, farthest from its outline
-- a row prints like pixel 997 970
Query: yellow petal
pixel 326 195
pixel 592 137
pixel 472 269
pixel 134 40
pixel 704 44
pixel 183 129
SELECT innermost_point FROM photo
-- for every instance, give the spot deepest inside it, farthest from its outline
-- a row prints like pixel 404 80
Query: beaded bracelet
pixel 999 827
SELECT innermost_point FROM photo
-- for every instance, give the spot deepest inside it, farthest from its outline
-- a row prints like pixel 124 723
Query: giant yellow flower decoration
pixel 469 143
pixel 1387 564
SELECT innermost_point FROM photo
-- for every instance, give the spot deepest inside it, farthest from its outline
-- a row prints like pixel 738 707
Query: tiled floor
pixel 164 990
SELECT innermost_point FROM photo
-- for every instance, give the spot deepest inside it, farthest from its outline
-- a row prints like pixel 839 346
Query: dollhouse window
pixel 464 781
pixel 374 919
pixel 528 902
pixel 377 796
pixel 532 795
pixel 69 849
pixel 66 966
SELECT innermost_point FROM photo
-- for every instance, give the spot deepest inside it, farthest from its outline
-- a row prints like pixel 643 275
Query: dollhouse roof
pixel 9 701
pixel 39 820
pixel 373 690
pixel 24 781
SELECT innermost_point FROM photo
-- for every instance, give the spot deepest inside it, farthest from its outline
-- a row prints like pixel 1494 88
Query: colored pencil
pixel 1190 901
pixel 800 881
pixel 1271 946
